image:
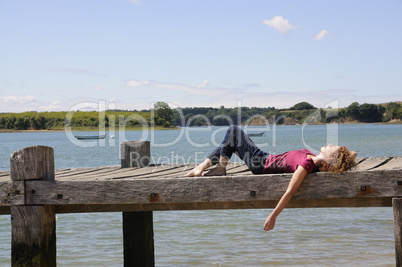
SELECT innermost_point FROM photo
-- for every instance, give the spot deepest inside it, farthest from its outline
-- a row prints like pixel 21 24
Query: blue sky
pixel 58 54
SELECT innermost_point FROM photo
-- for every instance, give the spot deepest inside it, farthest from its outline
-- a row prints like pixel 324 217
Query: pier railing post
pixel 138 234
pixel 397 207
pixel 33 234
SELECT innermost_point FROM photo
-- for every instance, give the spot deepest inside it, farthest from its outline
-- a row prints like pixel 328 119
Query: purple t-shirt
pixel 288 162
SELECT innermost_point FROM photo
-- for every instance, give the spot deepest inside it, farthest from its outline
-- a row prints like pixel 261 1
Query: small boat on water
pixel 88 137
pixel 256 134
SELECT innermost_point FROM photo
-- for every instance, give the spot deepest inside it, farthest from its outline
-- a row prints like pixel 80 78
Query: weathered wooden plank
pixel 78 171
pixel 362 184
pixel 150 171
pixel 176 171
pixel 133 172
pixel 370 163
pixel 172 170
pixel 181 170
pixel 394 163
pixel 12 192
pixel 258 204
pixel 5 178
pixel 4 173
pixel 240 170
pixel 397 208
pixel 84 171
pixel 231 168
pixel 93 175
pixel 72 170
pixel 118 172
pixel 61 171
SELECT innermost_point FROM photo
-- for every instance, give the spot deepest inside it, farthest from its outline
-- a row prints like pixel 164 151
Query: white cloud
pixel 203 84
pixel 15 103
pixel 97 88
pixel 280 24
pixel 112 103
pixel 55 105
pixel 17 99
pixel 138 83
pixel 321 35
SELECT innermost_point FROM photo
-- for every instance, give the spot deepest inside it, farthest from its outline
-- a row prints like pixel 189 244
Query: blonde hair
pixel 344 160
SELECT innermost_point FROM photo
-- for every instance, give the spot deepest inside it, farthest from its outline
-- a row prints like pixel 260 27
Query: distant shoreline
pixel 394 122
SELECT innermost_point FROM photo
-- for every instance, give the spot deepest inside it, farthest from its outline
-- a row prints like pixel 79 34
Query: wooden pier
pixel 33 192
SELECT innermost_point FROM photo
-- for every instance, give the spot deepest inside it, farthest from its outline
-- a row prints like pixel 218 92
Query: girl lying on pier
pixel 299 162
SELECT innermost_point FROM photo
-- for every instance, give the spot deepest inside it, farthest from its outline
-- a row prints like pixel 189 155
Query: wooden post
pixel 138 234
pixel 135 154
pixel 397 207
pixel 33 238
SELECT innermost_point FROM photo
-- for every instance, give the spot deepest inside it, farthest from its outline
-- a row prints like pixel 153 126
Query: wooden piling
pixel 397 207
pixel 135 154
pixel 33 238
pixel 138 234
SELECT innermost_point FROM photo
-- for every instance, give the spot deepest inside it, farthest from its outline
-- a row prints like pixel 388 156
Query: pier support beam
pixel 33 238
pixel 397 207
pixel 138 234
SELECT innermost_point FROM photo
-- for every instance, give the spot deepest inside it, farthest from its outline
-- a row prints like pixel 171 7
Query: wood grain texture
pixel 33 240
pixel 394 163
pixel 138 234
pixel 397 208
pixel 354 184
pixel 12 192
pixel 372 162
pixel 135 153
pixel 138 239
pixel 256 204
pixel 30 163
pixel 135 186
pixel 87 172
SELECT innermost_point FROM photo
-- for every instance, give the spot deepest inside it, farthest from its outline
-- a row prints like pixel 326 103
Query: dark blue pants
pixel 237 141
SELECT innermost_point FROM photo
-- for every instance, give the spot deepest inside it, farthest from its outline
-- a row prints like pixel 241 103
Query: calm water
pixel 304 237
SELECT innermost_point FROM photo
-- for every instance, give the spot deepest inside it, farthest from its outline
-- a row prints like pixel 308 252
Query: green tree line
pixel 162 115
pixel 302 112
pixel 79 120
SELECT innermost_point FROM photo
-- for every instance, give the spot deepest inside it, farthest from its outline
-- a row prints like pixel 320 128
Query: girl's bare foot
pixel 217 171
pixel 197 171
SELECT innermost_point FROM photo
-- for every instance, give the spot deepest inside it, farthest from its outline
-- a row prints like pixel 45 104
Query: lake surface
pixel 302 237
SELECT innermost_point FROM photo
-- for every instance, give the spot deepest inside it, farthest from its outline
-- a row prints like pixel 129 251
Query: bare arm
pixel 294 184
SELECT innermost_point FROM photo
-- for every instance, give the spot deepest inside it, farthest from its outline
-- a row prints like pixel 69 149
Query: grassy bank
pixel 301 113
pixel 83 129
